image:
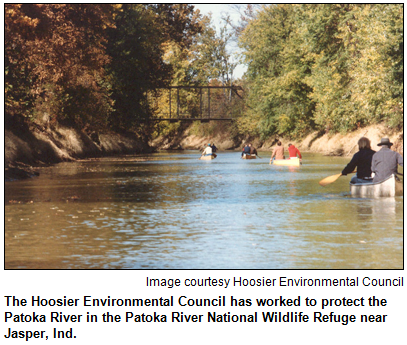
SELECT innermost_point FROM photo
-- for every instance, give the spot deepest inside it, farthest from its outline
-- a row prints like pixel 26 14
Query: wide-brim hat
pixel 385 141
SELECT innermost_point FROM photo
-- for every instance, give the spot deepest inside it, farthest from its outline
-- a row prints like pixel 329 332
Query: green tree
pixel 329 78
pixel 278 95
pixel 374 38
pixel 333 67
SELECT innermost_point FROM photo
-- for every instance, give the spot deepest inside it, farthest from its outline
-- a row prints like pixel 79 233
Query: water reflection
pixel 379 210
pixel 170 210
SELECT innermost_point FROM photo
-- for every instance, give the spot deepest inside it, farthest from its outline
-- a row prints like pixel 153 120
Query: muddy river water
pixel 169 210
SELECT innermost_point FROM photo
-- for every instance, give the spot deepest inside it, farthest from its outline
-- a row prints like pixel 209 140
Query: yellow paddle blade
pixel 329 179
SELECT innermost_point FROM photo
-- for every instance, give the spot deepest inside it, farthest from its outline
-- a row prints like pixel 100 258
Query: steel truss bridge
pixel 205 112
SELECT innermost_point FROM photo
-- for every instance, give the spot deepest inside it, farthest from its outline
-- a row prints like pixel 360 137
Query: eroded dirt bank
pixel 328 144
pixel 27 148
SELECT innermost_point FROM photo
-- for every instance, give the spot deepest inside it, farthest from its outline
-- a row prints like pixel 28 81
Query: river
pixel 169 210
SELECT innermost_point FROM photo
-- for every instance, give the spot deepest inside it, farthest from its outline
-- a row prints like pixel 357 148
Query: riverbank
pixel 325 143
pixel 32 146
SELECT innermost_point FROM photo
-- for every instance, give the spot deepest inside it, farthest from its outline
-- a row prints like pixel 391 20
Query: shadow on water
pixel 171 210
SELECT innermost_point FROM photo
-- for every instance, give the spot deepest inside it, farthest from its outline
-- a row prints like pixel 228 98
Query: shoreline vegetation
pixel 90 80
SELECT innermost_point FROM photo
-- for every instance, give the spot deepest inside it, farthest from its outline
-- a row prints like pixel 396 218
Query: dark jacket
pixel 246 149
pixel 363 161
pixel 253 151
pixel 384 163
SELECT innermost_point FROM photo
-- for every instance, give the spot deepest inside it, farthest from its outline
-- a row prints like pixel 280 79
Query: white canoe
pixel 390 187
pixel 248 156
pixel 289 162
pixel 207 158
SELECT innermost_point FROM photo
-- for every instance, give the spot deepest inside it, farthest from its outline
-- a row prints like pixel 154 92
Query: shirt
pixel 207 151
pixel 278 152
pixel 384 163
pixel 363 161
pixel 293 151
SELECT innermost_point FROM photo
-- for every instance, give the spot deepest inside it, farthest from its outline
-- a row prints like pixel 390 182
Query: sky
pixel 217 10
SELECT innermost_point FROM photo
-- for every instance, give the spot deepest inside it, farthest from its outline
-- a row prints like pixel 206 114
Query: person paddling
pixel 253 150
pixel 246 150
pixel 207 151
pixel 294 152
pixel 278 152
pixel 362 160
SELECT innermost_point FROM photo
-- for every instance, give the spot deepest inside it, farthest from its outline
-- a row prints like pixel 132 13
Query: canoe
pixel 290 162
pixel 249 156
pixel 207 158
pixel 390 187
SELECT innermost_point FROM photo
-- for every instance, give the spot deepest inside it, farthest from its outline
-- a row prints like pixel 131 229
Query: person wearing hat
pixel 362 160
pixel 207 151
pixel 385 161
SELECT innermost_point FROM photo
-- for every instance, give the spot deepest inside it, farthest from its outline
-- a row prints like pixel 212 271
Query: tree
pixel 55 60
pixel 331 67
pixel 278 95
pixel 375 36
pixel 205 62
pixel 140 46
pixel 327 52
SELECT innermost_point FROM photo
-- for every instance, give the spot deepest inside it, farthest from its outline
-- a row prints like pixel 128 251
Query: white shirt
pixel 207 151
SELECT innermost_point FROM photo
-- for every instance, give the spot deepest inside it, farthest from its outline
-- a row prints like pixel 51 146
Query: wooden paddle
pixel 331 179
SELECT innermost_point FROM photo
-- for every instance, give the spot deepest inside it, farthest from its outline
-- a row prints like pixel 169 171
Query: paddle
pixel 330 179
